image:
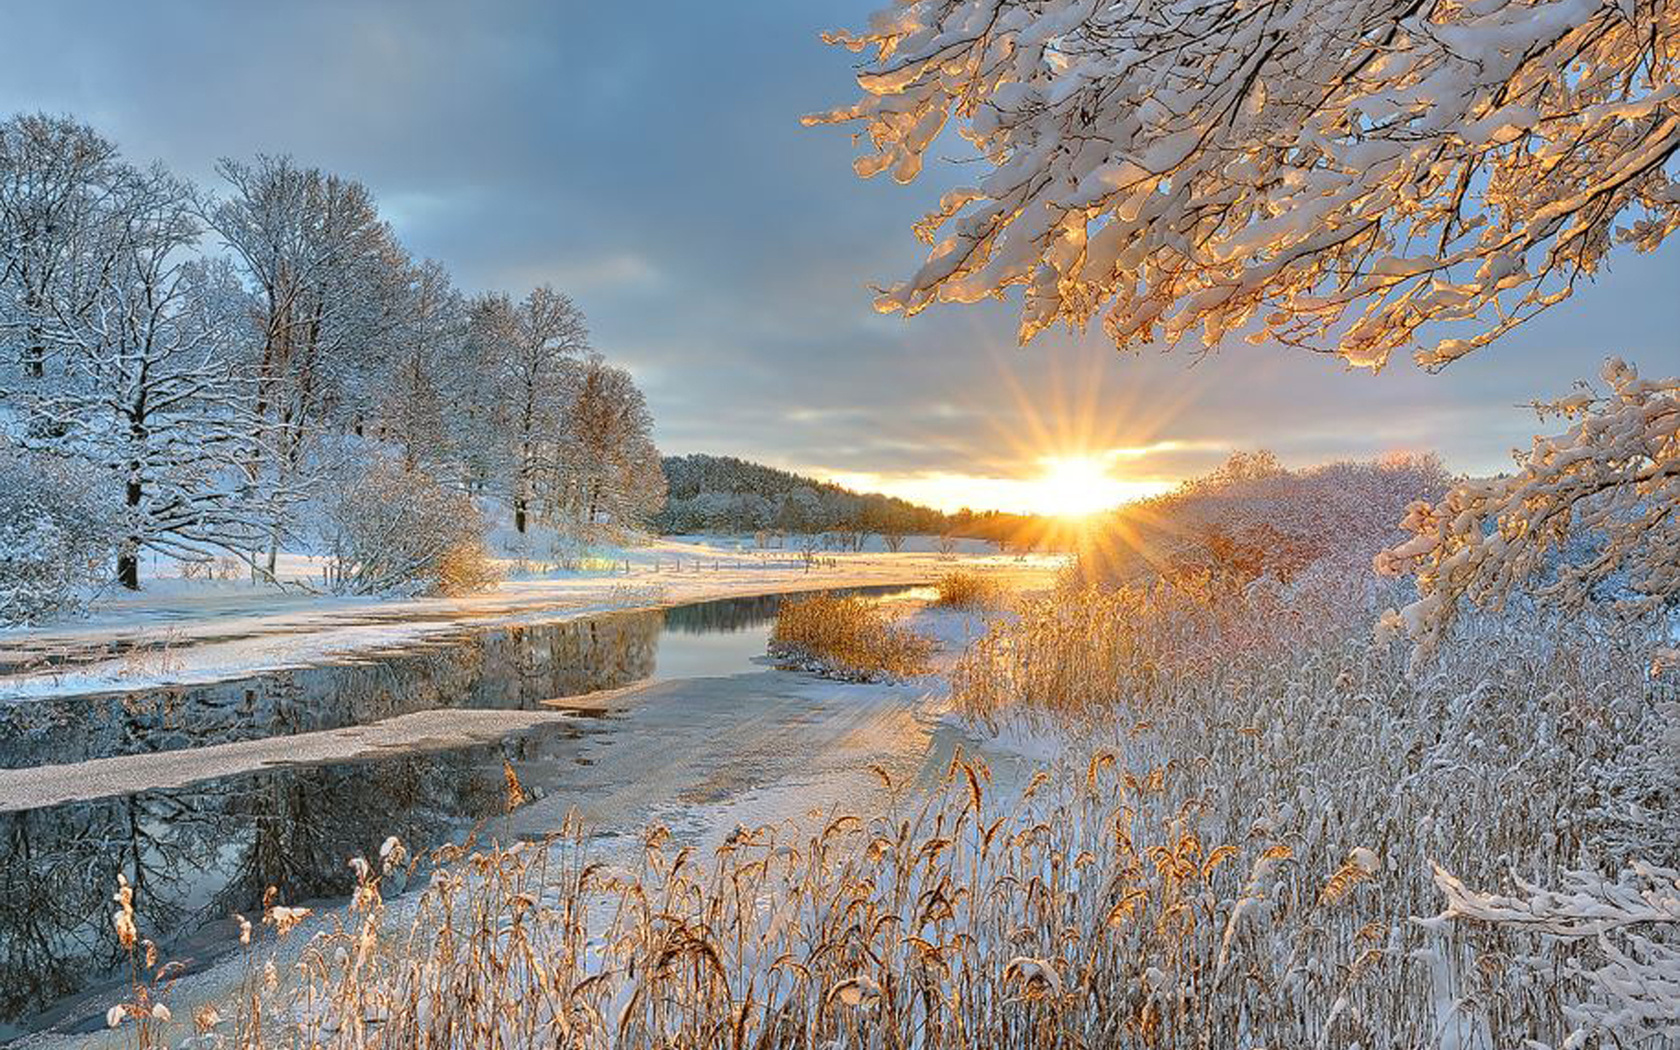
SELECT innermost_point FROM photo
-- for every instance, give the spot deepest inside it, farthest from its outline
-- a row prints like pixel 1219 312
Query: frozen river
pixel 203 795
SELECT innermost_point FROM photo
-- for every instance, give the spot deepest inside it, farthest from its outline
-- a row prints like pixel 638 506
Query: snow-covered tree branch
pixel 1594 509
pixel 1335 174
pixel 1638 983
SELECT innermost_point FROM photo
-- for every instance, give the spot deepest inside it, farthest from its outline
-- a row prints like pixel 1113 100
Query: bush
pixel 56 536
pixel 965 589
pixel 847 637
pixel 1253 518
pixel 397 531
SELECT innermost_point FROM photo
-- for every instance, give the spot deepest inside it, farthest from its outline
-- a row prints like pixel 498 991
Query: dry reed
pixel 1234 854
pixel 849 637
pixel 966 589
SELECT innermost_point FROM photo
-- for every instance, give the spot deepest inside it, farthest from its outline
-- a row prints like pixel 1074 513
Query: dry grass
pixel 1233 853
pixel 966 589
pixel 1077 650
pixel 1214 880
pixel 847 637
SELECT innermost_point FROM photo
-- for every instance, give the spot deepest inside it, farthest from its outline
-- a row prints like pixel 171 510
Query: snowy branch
pixel 1329 173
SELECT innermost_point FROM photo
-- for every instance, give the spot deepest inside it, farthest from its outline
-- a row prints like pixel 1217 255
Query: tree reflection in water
pixel 503 668
pixel 195 854
pixel 198 853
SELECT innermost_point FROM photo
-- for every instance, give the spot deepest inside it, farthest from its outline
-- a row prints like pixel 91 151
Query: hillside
pixel 725 494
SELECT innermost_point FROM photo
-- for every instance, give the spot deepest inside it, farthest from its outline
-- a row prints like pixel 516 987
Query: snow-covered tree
pixel 56 178
pixel 427 385
pixel 207 397
pixel 722 493
pixel 329 280
pixel 606 468
pixel 1592 513
pixel 1335 173
pixel 528 353
pixel 150 391
pixel 1253 517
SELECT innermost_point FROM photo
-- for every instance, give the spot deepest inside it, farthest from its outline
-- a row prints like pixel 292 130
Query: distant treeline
pixel 725 494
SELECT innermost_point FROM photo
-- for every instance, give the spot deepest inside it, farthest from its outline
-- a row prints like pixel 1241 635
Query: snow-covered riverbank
pixel 185 632
pixel 746 745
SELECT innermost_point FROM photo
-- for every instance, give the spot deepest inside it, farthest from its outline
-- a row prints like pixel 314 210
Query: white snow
pixel 180 631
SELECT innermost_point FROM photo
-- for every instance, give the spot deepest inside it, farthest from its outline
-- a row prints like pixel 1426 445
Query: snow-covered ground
pixel 699 756
pixel 177 631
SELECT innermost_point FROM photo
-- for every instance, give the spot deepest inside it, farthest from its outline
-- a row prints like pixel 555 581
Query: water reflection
pixel 726 615
pixel 505 668
pixel 197 853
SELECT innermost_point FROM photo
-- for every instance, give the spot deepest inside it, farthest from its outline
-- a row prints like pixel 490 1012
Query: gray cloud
pixel 650 160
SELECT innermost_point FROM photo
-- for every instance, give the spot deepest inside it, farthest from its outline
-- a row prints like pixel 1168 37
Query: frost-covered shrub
pixel 56 536
pixel 391 530
pixel 1252 517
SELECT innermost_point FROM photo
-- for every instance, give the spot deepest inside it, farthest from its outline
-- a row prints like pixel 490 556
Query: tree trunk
pixel 35 357
pixel 128 561
pixel 519 515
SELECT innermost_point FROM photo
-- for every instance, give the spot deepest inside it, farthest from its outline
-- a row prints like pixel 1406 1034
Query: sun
pixel 1077 487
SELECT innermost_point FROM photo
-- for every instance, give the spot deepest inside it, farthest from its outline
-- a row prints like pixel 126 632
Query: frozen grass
pixel 846 636
pixel 966 589
pixel 1242 869
pixel 1262 832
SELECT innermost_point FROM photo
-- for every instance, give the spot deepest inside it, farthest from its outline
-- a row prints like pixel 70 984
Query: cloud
pixel 655 168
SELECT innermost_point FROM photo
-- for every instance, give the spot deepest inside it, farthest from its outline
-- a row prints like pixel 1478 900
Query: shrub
pixel 1253 518
pixel 56 536
pixel 847 637
pixel 965 589
pixel 397 531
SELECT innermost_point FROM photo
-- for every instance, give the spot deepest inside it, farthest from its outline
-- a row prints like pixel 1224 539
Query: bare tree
pixel 151 390
pixel 56 178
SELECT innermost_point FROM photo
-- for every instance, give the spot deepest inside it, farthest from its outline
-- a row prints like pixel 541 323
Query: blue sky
pixel 648 159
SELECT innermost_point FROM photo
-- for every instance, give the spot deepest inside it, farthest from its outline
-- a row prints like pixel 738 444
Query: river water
pixel 198 852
